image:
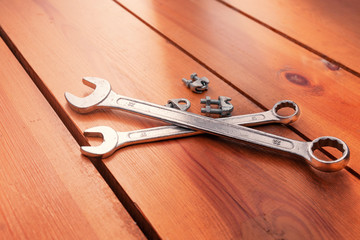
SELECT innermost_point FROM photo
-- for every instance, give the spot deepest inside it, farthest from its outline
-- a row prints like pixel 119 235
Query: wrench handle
pixel 254 119
pixel 205 124
pixel 172 131
pixel 152 135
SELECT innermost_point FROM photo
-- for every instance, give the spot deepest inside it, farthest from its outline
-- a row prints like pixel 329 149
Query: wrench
pixel 167 132
pixel 104 97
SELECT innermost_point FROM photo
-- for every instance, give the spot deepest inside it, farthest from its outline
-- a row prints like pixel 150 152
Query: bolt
pixel 196 84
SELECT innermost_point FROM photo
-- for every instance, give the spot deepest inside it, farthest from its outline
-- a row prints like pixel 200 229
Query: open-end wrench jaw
pixel 108 147
pixel 89 103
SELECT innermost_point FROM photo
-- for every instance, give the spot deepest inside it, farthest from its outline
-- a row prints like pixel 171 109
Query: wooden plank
pixel 329 27
pixel 264 65
pixel 47 191
pixel 196 188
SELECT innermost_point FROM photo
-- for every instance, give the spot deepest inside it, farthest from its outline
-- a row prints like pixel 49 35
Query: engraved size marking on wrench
pixel 130 104
pixel 276 142
pixel 258 117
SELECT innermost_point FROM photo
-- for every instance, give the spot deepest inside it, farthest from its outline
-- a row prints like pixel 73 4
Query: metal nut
pixel 224 107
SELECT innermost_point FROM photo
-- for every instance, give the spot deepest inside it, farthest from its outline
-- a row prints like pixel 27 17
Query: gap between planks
pixel 130 206
pixel 203 64
pixel 297 42
pixel 192 57
pixel 143 223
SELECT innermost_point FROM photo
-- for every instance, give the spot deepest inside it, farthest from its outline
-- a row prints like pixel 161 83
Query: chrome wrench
pixel 168 132
pixel 104 97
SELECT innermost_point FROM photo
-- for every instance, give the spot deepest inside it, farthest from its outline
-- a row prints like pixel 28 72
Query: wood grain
pixel 47 190
pixel 262 64
pixel 329 27
pixel 201 187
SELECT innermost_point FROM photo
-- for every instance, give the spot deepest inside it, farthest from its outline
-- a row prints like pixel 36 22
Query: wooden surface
pixel 263 65
pixel 201 187
pixel 330 27
pixel 47 190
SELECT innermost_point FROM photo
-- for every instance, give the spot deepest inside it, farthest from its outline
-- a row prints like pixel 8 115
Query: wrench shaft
pixel 205 124
pixel 172 131
pixel 153 134
pixel 254 119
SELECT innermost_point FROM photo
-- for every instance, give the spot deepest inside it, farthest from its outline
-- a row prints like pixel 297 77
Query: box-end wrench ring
pixel 168 132
pixel 104 97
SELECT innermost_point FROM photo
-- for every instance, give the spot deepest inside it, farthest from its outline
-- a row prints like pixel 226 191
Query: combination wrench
pixel 168 132
pixel 104 97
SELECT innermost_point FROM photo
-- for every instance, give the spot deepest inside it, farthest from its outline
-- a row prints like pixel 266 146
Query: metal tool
pixel 104 97
pixel 196 84
pixel 224 106
pixel 168 132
